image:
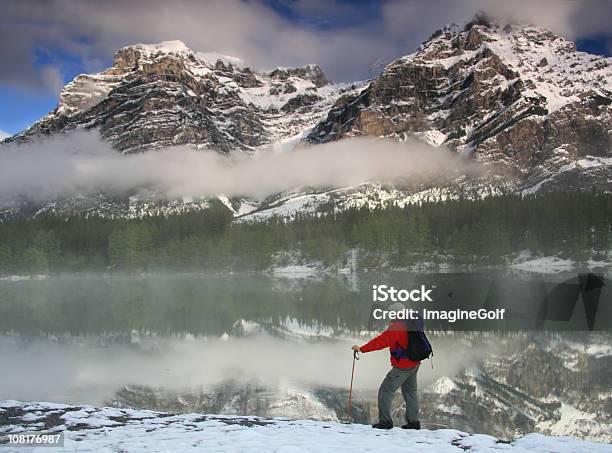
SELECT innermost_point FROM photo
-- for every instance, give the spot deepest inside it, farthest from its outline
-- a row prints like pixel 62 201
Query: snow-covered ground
pixel 546 264
pixel 555 264
pixel 297 271
pixel 89 429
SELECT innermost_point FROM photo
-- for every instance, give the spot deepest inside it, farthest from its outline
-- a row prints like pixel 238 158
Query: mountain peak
pixel 212 58
pixel 311 72
pixel 480 18
pixel 174 46
pixel 129 56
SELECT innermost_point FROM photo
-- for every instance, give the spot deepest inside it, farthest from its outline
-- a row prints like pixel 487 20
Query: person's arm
pixel 384 340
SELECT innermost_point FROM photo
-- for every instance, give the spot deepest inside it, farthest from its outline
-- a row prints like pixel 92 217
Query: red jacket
pixel 395 334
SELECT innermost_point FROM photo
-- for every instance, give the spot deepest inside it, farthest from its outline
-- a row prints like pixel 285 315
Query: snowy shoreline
pixel 87 428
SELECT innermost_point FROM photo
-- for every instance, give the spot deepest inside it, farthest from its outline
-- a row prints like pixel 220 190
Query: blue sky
pixel 44 44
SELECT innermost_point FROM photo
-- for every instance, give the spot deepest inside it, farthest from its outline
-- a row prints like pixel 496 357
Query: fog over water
pixel 81 338
pixel 86 371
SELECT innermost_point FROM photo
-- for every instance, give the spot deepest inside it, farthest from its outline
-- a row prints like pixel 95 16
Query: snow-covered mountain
pixel 517 98
pixel 166 94
pixel 87 428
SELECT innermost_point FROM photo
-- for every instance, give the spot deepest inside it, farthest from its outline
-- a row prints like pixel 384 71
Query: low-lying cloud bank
pixel 81 163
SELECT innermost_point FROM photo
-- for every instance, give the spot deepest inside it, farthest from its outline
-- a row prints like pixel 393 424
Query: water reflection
pixel 257 344
pixel 211 305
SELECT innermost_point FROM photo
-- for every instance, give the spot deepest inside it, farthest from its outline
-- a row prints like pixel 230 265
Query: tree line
pixel 488 231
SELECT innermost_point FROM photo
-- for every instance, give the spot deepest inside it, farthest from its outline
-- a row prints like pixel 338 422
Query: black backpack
pixel 419 348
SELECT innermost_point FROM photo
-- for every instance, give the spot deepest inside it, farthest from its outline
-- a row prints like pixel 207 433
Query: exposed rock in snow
pixel 444 385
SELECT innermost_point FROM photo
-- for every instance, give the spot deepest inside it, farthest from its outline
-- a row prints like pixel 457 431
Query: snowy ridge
pixel 175 46
pixel 110 429
pixel 549 63
pixel 367 195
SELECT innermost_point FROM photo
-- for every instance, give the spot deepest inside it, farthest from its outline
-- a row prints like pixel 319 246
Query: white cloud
pixel 52 78
pixel 81 163
pixel 4 135
pixel 569 18
pixel 255 32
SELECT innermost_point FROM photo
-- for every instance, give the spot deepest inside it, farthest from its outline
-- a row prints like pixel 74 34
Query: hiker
pixel 403 374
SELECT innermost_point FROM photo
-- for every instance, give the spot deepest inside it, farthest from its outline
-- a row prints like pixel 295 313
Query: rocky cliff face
pixel 165 94
pixel 519 97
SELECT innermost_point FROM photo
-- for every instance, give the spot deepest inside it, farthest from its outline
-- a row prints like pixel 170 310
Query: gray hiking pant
pixel 406 378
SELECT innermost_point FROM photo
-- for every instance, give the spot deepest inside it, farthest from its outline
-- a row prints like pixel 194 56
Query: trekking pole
pixel 355 357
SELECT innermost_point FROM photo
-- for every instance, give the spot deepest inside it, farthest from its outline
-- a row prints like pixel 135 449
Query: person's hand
pixel 355 348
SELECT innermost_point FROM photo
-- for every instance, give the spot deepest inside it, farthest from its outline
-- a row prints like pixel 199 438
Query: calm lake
pixel 261 344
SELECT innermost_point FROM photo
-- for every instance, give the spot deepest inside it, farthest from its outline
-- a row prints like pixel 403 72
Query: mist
pixel 80 163
pixel 89 372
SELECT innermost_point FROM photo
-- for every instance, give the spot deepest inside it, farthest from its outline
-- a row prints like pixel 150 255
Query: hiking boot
pixel 412 425
pixel 382 426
